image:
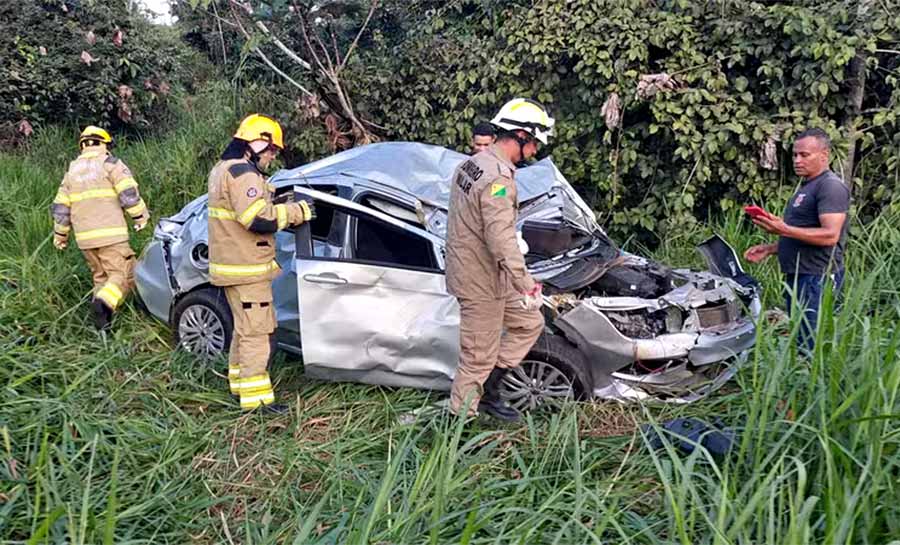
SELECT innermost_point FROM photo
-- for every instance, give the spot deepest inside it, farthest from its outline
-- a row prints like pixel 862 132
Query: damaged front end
pixel 653 332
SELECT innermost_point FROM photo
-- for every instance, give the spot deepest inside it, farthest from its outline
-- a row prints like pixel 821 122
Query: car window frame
pixel 353 209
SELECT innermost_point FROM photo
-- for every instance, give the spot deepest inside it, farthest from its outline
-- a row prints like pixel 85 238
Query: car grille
pixel 716 315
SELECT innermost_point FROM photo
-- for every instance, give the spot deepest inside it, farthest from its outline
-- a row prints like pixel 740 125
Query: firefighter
pixel 242 225
pixel 90 200
pixel 499 301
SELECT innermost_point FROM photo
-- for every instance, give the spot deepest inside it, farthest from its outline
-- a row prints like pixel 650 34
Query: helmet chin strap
pixel 254 155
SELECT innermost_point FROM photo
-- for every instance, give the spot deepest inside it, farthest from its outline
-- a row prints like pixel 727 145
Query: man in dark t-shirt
pixel 813 233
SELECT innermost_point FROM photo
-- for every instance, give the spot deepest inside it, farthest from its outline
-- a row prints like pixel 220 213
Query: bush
pixel 87 61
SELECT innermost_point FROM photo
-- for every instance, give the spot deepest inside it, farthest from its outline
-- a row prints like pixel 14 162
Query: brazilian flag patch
pixel 498 190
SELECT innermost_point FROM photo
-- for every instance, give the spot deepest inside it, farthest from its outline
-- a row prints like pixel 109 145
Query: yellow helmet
pixel 260 127
pixel 94 133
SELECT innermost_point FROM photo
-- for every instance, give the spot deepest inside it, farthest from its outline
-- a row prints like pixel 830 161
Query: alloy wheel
pixel 201 332
pixel 535 384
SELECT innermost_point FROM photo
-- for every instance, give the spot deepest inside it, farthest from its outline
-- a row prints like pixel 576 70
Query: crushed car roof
pixel 421 170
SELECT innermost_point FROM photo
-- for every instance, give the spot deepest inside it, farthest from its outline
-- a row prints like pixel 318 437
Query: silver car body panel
pixel 373 323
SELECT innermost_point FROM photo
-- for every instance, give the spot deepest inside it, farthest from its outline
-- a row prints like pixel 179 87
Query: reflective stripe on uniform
pixel 101 233
pixel 92 194
pixel 60 228
pixel 222 214
pixel 251 212
pixel 282 215
pixel 124 184
pixel 137 209
pixel 256 400
pixel 258 382
pixel 110 294
pixel 234 380
pixel 242 270
pixel 89 154
pixel 255 391
pixel 62 198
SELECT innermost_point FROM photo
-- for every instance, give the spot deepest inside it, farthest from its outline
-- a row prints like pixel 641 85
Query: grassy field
pixel 124 441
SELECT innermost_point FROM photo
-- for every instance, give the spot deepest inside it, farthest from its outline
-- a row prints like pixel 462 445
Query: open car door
pixel 373 301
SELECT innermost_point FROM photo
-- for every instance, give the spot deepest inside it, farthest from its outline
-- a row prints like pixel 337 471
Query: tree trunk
pixel 856 89
pixel 856 81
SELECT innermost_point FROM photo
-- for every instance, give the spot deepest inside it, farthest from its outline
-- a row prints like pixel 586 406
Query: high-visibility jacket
pixel 243 222
pixel 91 197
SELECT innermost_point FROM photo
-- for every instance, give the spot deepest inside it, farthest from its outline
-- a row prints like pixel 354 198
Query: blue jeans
pixel 809 289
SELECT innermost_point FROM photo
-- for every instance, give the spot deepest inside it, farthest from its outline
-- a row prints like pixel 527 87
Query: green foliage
pixel 87 61
pixel 745 73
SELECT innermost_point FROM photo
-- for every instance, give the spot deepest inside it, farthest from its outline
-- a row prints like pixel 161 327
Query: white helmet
pixel 526 115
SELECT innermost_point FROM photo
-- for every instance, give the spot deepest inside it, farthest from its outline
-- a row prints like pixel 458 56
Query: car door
pixel 377 311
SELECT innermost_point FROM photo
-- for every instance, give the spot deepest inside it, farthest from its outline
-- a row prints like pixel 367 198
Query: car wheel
pixel 553 372
pixel 203 324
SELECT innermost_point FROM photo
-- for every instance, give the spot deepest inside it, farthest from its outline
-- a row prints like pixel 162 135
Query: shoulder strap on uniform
pixel 239 169
pixel 111 160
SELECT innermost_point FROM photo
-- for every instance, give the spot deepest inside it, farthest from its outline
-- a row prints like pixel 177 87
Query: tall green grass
pixel 120 440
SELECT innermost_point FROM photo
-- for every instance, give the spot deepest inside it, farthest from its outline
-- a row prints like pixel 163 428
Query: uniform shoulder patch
pixel 111 160
pixel 498 190
pixel 239 169
pixel 252 192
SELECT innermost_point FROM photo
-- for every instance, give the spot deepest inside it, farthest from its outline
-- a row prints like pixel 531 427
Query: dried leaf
pixel 767 154
pixel 310 107
pixel 117 38
pixel 25 128
pixel 650 84
pixel 86 58
pixel 42 50
pixel 90 37
pixel 164 88
pixel 612 111
pixel 124 112
pixel 125 92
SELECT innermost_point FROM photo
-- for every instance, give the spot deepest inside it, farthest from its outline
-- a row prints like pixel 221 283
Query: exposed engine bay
pixel 654 330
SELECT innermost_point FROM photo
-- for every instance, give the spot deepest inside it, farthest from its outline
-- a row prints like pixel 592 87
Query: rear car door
pixel 374 308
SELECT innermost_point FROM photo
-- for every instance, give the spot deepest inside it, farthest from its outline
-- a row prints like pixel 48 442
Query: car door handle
pixel 325 278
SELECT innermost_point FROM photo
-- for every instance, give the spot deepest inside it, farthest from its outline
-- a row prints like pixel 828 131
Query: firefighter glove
pixel 60 240
pixel 141 222
pixel 534 298
pixel 309 210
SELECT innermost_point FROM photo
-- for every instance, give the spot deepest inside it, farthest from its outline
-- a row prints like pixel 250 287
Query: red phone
pixel 756 212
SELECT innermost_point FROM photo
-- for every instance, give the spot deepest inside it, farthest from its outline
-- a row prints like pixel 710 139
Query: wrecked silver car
pixel 362 296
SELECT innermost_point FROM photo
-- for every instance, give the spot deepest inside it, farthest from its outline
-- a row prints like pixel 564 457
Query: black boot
pixel 498 409
pixel 491 402
pixel 276 409
pixel 101 314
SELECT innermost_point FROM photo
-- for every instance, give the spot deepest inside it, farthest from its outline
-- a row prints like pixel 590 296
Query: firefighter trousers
pixel 492 333
pixel 248 359
pixel 112 268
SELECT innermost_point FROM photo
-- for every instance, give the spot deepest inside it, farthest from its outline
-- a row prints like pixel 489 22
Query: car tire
pixel 553 372
pixel 202 323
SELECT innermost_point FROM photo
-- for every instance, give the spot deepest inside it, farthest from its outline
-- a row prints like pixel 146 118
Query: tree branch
pixel 358 35
pixel 287 51
pixel 264 58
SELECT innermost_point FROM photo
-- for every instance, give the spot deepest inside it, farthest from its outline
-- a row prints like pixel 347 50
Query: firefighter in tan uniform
pixel 90 200
pixel 242 225
pixel 499 302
